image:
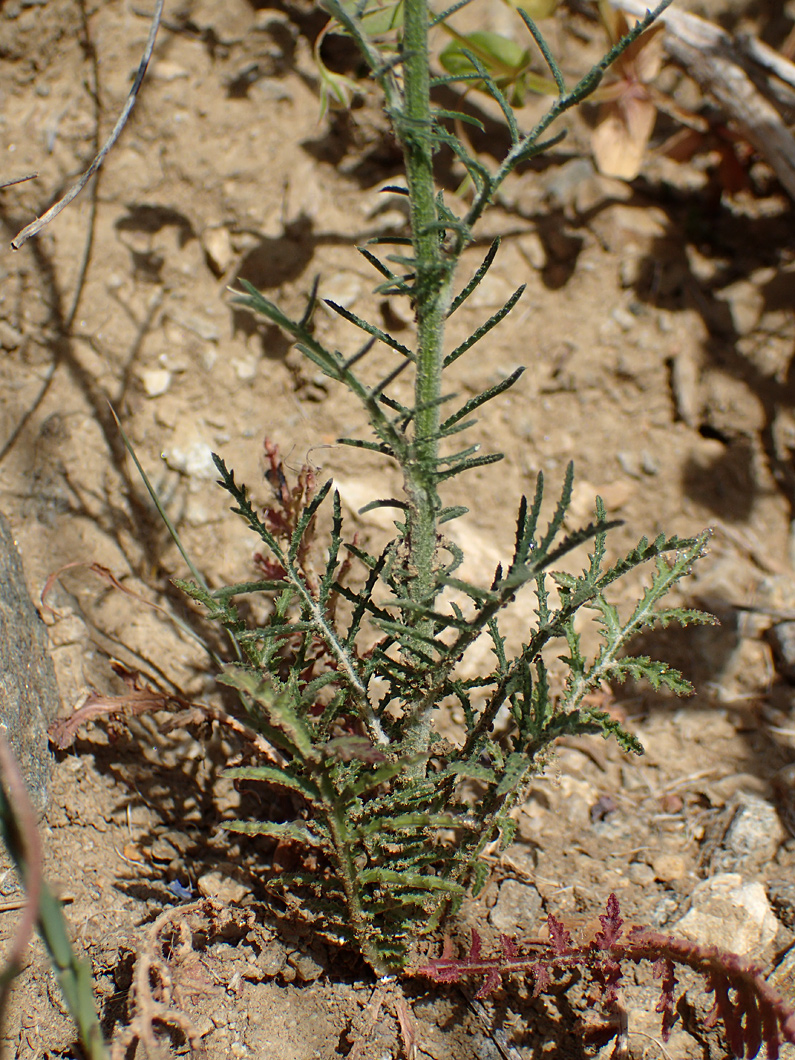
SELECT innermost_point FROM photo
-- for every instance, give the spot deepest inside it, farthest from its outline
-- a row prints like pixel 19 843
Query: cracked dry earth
pixel 658 331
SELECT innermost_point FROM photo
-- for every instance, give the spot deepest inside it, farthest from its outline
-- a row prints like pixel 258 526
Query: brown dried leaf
pixel 622 134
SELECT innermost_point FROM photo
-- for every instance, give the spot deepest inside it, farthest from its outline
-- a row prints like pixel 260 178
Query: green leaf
pixel 278 709
pixel 446 515
pixel 515 771
pixel 501 56
pixel 370 329
pixel 411 880
pixel 610 727
pixel 658 674
pixel 505 60
pixel 480 875
pixel 278 777
pixel 485 328
pixel 412 822
pixel 368 781
pixel 291 831
pixel 227 592
pixel 536 9
pixel 376 17
pixel 471 771
pixel 481 399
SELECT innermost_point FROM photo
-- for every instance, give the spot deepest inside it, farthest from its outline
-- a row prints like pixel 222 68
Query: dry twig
pixel 731 70
pixel 37 225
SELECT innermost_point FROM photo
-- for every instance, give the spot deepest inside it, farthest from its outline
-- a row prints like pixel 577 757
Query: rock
pixel 344 288
pixel 29 700
pixel 583 500
pixel 164 70
pixel 156 381
pixel 729 913
pixel 217 246
pixel 746 303
pixel 782 897
pixel 217 885
pixel 196 323
pixel 640 874
pixel 625 320
pixel 10 338
pixel 616 494
pixel 649 464
pixel 685 375
pixel 308 966
pixel 643 1024
pixel 752 836
pixel 518 907
pixel 532 250
pixel 781 638
pixel 669 867
pixel 194 459
pixel 663 913
pixel 577 187
pixel 782 977
pixel 246 367
pixel 784 787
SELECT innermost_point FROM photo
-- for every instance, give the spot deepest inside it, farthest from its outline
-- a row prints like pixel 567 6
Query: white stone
pixel 246 367
pixel 156 381
pixel 730 913
pixel 194 459
pixel 217 243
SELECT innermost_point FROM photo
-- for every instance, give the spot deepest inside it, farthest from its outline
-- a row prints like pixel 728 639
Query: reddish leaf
pixel 509 949
pixel 490 984
pixel 474 953
pixel 559 938
pixel 612 925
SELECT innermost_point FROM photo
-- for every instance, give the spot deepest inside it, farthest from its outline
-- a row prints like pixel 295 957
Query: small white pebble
pixel 156 381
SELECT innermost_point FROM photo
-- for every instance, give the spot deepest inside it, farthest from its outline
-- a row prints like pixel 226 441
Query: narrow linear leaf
pixel 410 879
pixel 370 329
pixel 481 399
pixel 277 777
pixel 292 831
pixel 480 272
pixel 544 49
pixel 485 328
pixel 468 465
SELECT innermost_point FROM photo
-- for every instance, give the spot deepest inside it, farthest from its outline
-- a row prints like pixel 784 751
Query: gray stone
pixel 518 907
pixel 29 699
pixel 782 897
pixel 781 638
pixel 783 976
pixel 753 836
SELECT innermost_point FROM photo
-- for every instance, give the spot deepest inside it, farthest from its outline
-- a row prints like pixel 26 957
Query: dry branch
pixel 734 70
pixel 36 226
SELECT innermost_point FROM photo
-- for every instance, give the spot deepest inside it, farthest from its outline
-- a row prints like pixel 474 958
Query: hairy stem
pixel 348 877
pixel 432 295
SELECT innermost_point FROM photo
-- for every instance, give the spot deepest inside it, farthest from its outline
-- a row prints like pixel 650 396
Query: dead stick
pixel 718 63
pixel 34 228
pixel 18 180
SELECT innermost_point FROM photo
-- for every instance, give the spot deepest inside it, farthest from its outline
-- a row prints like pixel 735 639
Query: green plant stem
pixel 18 830
pixel 432 287
pixel 348 876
